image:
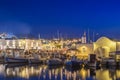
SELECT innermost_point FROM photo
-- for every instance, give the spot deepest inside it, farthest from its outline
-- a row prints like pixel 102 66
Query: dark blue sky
pixel 70 17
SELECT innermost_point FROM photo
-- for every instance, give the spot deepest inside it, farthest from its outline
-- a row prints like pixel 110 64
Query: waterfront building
pixel 20 44
pixel 85 50
pixel 103 47
pixel 107 48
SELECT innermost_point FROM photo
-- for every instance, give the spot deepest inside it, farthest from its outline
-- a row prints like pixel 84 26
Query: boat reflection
pixel 43 72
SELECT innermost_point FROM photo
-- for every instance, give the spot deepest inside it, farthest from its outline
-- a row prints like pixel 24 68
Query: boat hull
pixel 15 60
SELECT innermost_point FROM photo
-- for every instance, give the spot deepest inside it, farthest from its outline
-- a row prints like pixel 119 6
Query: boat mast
pixel 88 36
pixel 93 36
pixel 38 36
pixel 58 34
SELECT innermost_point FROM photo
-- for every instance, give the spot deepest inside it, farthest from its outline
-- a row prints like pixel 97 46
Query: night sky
pixel 70 18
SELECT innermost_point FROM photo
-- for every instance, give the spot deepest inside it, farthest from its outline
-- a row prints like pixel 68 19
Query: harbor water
pixel 44 72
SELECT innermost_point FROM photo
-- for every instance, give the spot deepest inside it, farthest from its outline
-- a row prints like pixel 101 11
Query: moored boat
pixel 35 59
pixel 15 56
pixel 15 60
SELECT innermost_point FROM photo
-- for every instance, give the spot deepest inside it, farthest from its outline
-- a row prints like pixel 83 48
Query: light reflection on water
pixel 43 72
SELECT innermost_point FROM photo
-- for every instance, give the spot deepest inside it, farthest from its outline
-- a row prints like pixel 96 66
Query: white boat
pixel 35 59
pixel 54 62
pixel 15 58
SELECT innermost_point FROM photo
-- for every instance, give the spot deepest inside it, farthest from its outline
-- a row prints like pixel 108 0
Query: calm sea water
pixel 43 72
